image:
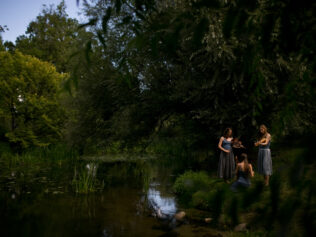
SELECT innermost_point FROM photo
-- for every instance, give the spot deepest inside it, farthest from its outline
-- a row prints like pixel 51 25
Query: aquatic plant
pixel 84 180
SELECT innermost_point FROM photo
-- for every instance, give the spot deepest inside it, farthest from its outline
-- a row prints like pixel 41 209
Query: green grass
pixel 112 158
pixel 84 180
pixel 54 153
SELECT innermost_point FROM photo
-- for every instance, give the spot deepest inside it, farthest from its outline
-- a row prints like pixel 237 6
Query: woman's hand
pixel 263 141
pixel 227 151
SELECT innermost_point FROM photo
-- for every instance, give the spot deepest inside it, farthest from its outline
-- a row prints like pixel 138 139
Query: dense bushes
pixel 185 70
pixel 284 208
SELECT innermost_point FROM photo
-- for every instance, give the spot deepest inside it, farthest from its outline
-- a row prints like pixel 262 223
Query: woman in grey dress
pixel 264 154
pixel 226 165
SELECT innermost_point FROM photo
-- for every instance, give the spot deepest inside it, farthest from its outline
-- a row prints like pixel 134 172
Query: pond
pixel 129 198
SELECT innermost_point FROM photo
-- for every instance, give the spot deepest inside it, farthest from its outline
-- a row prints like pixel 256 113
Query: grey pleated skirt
pixel 226 165
pixel 264 161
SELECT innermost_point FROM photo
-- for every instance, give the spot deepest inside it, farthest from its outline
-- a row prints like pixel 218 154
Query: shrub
pixel 190 182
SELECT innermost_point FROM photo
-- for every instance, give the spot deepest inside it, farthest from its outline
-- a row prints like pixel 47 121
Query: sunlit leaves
pixel 28 102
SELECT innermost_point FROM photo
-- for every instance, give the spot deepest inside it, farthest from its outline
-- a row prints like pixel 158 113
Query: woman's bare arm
pixel 252 173
pixel 268 137
pixel 220 145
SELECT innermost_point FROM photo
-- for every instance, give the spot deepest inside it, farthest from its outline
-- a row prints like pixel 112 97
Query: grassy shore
pixel 285 208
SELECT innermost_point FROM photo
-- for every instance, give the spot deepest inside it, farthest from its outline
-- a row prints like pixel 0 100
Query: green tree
pixel 2 48
pixel 218 63
pixel 186 69
pixel 29 109
pixel 51 37
pixel 2 29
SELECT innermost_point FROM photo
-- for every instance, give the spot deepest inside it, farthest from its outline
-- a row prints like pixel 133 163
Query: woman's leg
pixel 266 180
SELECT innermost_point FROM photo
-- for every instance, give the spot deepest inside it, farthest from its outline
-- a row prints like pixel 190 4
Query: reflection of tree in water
pixel 163 207
pixel 134 173
pixel 157 200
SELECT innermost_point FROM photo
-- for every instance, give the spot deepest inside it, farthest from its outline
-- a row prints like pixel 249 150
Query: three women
pixel 226 164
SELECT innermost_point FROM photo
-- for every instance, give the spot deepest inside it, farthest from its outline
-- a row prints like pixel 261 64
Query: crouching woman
pixel 244 172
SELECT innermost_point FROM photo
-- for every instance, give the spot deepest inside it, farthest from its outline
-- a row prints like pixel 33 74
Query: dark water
pixel 132 198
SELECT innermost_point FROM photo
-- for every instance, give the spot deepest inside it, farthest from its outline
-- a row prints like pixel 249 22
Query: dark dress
pixel 239 150
pixel 242 181
pixel 226 164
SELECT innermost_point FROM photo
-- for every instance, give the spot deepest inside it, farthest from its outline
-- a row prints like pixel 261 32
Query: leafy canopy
pixel 29 107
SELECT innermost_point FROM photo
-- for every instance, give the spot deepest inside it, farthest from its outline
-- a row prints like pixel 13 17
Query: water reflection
pixel 92 169
pixel 42 200
pixel 105 233
pixel 163 207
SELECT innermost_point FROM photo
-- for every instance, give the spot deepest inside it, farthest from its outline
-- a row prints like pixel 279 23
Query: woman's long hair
pixel 263 135
pixel 244 158
pixel 226 131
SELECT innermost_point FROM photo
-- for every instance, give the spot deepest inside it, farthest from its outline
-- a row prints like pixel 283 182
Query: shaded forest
pixel 140 72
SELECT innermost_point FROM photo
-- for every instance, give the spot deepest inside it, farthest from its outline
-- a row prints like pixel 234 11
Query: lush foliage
pixel 157 72
pixel 284 208
pixel 167 77
pixel 190 182
pixel 52 37
pixel 191 68
pixel 30 112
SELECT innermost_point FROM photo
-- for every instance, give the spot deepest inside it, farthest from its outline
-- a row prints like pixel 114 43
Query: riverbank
pixel 275 210
pixel 40 194
pixel 147 186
